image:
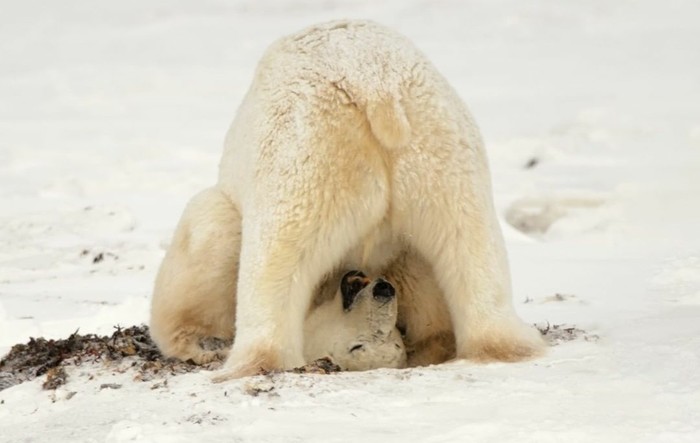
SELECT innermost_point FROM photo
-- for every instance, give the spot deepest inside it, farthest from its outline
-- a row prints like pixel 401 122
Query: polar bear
pixel 349 151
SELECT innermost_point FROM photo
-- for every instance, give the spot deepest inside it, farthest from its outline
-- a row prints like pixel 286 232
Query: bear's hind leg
pixel 448 217
pixel 195 291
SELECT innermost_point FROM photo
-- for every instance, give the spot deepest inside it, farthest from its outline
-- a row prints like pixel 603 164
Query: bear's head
pixel 357 328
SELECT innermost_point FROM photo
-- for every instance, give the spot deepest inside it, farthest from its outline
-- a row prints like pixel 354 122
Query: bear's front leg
pixel 275 290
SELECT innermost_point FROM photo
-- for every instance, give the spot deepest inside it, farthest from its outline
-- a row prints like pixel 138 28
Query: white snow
pixel 112 114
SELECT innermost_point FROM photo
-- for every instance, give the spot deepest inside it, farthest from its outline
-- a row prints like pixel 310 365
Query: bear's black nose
pixel 383 289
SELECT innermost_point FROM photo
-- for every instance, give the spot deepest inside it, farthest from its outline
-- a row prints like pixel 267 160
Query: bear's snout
pixel 383 290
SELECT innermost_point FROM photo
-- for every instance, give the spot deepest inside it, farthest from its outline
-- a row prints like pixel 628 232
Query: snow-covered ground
pixel 112 115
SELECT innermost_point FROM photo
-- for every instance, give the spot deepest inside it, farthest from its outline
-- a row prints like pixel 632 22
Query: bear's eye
pixel 356 348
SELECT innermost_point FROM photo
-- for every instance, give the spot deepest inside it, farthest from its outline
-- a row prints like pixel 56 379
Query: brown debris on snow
pixel 555 334
pixel 321 366
pixel 55 377
pixel 256 387
pixel 127 348
pixel 131 345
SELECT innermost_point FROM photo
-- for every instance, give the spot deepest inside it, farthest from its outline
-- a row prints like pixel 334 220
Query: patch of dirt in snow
pixel 128 349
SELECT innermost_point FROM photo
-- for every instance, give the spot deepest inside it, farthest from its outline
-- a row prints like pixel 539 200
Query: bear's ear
pixel 350 285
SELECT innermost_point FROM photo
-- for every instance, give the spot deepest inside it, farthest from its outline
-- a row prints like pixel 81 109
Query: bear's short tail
pixel 388 121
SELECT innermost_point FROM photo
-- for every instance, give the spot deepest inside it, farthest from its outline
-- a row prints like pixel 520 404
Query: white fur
pixel 360 338
pixel 349 151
